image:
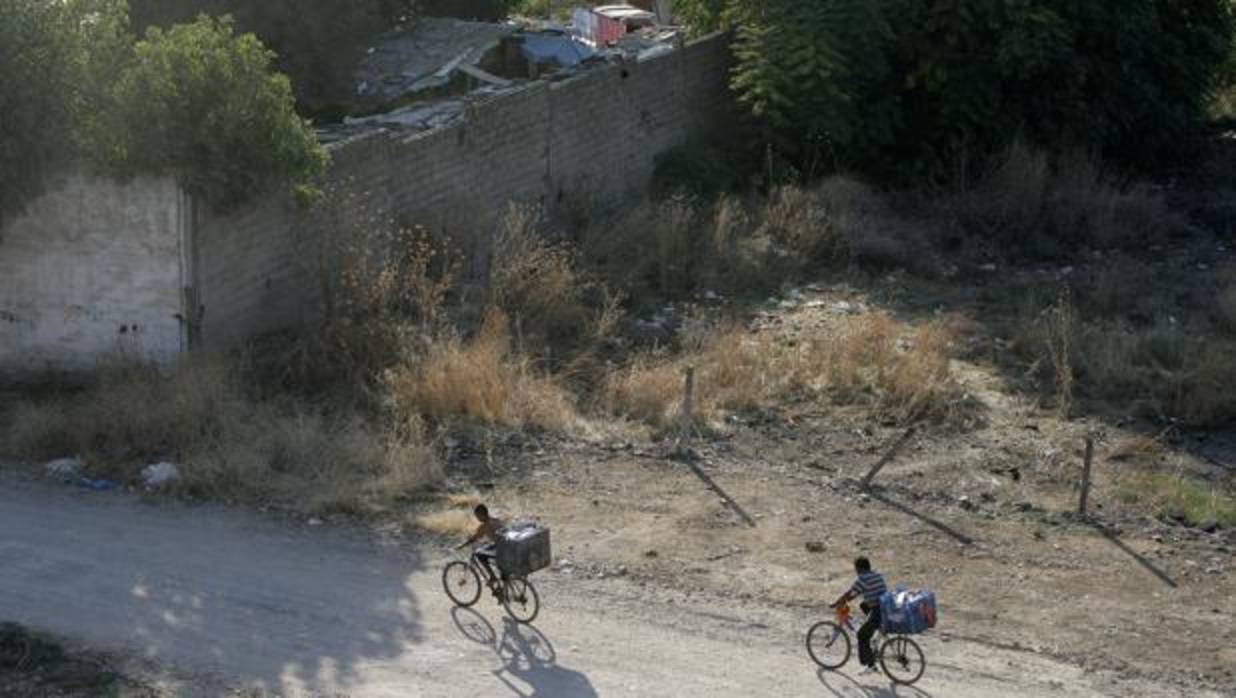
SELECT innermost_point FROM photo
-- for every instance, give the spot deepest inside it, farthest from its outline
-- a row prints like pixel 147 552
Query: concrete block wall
pixel 594 136
pixel 92 268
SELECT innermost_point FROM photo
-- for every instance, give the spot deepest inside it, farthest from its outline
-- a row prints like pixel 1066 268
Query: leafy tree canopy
pixel 316 42
pixel 908 86
pixel 196 101
pixel 199 101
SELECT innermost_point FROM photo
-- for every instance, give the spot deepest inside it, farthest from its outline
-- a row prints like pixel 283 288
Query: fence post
pixel 1085 483
pixel 688 394
pixel 888 457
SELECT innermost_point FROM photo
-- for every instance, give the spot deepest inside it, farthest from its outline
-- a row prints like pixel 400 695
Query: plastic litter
pixel 160 474
pixel 65 466
pixel 99 485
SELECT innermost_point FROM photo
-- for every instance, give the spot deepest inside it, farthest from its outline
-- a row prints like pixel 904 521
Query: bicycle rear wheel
pixel 828 645
pixel 902 660
pixel 521 600
pixel 461 583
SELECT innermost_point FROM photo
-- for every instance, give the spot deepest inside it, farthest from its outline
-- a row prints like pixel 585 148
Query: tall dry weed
pixel 1225 309
pixel 894 372
pixel 558 310
pixel 391 285
pixel 1048 205
pixel 1059 329
pixel 479 379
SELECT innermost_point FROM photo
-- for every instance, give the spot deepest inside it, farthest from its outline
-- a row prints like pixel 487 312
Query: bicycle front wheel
pixel 461 583
pixel 521 600
pixel 828 645
pixel 902 660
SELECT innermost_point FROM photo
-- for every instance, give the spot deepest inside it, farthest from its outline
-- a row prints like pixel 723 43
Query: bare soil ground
pixel 769 511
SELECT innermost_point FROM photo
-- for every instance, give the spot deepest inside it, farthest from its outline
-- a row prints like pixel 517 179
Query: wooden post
pixel 1085 483
pixel 688 394
pixel 888 457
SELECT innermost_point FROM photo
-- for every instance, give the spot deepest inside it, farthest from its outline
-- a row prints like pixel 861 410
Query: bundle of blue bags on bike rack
pixel 907 611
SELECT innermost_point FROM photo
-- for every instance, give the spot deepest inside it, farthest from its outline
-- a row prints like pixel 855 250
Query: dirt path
pixel 227 600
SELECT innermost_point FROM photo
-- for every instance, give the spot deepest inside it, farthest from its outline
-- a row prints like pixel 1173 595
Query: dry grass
pixel 456 520
pixel 450 522
pixel 479 379
pixel 1050 206
pixel 560 313
pixel 1225 309
pixel 229 446
pixel 895 372
pixel 1161 371
pixel 1138 449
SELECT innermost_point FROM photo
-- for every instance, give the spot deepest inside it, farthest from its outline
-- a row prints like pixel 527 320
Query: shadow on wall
pixel 285 615
pixel 530 666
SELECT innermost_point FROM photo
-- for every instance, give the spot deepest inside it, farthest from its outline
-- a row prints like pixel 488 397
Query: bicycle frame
pixel 845 618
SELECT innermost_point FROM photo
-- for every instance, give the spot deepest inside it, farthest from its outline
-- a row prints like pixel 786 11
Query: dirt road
pixel 222 600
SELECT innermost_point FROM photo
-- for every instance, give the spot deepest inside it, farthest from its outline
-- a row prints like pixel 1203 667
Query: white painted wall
pixel 93 268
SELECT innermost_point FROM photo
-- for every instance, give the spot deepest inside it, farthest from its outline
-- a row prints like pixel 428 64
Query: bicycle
pixel 900 658
pixel 461 579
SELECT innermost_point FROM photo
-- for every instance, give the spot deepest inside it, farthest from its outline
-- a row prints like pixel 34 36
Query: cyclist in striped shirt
pixel 869 587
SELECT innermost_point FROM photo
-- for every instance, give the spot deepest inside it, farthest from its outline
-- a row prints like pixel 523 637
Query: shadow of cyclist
pixel 529 658
pixel 530 666
pixel 844 686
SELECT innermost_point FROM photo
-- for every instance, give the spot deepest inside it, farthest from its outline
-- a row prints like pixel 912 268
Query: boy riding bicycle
pixel 869 586
pixel 489 529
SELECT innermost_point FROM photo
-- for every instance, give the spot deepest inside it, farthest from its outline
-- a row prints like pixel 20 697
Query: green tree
pixel 317 43
pixel 52 56
pixel 908 86
pixel 204 104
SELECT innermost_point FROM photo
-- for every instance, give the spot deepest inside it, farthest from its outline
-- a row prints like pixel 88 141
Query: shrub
pixel 1047 208
pixel 230 446
pixel 52 57
pixel 695 170
pixel 317 44
pixel 901 88
pixel 383 290
pixel 560 311
pixel 480 380
pixel 1226 309
pixel 204 104
pixel 1163 371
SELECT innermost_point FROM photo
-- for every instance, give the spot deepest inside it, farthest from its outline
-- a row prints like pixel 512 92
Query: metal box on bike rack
pixel 523 548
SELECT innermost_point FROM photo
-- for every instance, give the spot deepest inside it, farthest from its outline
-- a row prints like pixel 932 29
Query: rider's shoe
pixel 869 670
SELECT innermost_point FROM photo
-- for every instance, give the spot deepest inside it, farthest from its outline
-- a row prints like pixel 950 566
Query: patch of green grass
pixel 1197 501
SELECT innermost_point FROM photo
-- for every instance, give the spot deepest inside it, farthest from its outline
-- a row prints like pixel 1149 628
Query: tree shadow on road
pixel 530 666
pixel 215 591
pixel 844 686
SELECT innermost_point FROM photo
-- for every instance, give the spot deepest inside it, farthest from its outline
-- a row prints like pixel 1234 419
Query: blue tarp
pixel 563 50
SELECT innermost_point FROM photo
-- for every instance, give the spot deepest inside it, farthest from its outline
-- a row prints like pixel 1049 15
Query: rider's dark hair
pixel 481 511
pixel 862 564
